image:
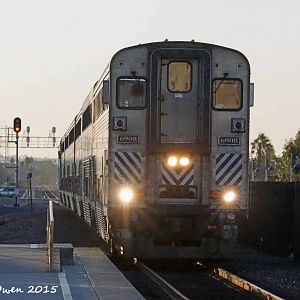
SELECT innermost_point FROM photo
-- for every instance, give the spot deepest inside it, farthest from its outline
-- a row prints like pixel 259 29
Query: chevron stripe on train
pixel 128 167
pixel 182 176
pixel 229 168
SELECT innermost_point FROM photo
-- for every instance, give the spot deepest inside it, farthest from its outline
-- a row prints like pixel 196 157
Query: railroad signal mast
pixel 17 128
pixel 12 137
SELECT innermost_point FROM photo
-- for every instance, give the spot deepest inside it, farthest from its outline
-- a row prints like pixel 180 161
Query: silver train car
pixel 157 157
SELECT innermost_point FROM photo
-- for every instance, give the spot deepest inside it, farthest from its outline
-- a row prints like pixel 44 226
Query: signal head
pixel 17 125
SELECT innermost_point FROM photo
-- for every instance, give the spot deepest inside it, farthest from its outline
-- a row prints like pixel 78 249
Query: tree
pixel 285 173
pixel 44 171
pixel 28 161
pixel 262 151
pixel 2 173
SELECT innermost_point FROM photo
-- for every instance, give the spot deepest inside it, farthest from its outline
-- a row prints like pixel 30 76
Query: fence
pixel 296 223
pixel 273 217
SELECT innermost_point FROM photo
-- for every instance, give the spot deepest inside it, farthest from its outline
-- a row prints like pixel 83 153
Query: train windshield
pixel 131 93
pixel 179 76
pixel 227 94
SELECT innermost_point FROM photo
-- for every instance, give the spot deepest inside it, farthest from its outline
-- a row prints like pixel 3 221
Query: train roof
pixel 178 44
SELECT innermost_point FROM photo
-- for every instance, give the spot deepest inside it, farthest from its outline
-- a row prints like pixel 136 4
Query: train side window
pixel 131 93
pixel 98 106
pixel 179 76
pixel 87 117
pixel 227 94
pixel 104 106
pixel 62 147
pixel 71 136
pixel 78 129
pixel 66 142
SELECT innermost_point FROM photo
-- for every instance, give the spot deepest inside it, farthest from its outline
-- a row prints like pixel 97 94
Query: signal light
pixel 17 125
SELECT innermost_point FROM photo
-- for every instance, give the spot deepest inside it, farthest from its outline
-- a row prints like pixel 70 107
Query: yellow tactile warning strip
pixel 246 285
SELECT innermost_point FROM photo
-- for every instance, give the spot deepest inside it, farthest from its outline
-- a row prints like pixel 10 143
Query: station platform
pixel 24 275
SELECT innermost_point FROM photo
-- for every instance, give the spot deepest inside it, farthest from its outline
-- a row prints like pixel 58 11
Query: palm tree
pixel 262 150
pixel 261 146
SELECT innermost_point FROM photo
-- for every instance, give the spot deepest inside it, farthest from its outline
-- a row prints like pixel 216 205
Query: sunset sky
pixel 52 52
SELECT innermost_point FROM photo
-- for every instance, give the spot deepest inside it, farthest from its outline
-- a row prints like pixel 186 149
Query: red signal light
pixel 17 125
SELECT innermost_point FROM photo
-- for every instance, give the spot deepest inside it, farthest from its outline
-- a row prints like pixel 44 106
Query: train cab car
pixel 162 169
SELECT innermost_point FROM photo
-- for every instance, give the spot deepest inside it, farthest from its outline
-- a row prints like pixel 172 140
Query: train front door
pixel 179 101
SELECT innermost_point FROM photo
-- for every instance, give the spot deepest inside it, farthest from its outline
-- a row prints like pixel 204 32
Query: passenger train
pixel 157 157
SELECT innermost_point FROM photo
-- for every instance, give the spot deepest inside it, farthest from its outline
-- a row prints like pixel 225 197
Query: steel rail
pixel 246 285
pixel 50 195
pixel 165 286
pixel 53 195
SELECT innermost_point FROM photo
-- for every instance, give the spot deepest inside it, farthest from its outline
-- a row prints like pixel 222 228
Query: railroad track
pixel 203 284
pixel 166 288
pixel 40 194
pixel 50 195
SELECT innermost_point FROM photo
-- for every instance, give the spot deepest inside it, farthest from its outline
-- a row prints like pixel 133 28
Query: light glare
pixel 184 161
pixel 126 195
pixel 172 161
pixel 229 196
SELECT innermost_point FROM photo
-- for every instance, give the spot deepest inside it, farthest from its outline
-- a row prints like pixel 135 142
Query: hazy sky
pixel 52 52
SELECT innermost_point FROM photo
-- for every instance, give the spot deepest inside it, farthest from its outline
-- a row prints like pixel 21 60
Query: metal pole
pixel 266 170
pixel 30 193
pixel 50 234
pixel 17 169
pixel 291 168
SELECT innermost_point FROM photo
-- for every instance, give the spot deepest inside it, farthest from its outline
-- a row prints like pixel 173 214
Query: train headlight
pixel 172 161
pixel 184 161
pixel 229 196
pixel 126 195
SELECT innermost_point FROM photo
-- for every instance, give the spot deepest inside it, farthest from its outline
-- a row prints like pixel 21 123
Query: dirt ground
pixel 21 225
